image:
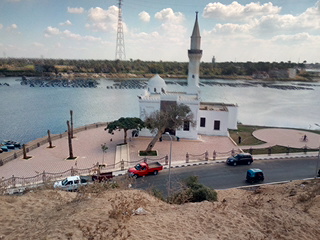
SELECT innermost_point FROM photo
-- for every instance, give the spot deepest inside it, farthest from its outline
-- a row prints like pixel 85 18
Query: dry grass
pixel 286 211
pixel 307 198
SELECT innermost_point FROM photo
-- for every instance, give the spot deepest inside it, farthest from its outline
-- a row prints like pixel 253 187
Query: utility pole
pixel 120 50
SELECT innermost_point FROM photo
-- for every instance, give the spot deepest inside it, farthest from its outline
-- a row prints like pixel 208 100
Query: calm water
pixel 26 113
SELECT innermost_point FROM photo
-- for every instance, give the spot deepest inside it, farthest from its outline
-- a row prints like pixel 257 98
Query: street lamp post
pixel 317 168
pixel 169 177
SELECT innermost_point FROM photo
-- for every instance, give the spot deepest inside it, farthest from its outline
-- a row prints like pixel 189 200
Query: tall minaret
pixel 194 54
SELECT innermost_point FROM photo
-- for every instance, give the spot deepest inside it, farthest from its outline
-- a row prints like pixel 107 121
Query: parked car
pixel 74 182
pixel 71 183
pixel 143 169
pixel 254 175
pixel 241 158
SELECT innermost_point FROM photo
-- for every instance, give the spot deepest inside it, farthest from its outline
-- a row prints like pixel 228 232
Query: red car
pixel 143 169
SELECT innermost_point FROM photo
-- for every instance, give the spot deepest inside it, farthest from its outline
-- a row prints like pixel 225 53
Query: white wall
pixel 147 107
pixel 233 117
pixel 210 117
pixel 193 131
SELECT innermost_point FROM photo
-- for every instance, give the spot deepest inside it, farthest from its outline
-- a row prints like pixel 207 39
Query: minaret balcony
pixel 194 51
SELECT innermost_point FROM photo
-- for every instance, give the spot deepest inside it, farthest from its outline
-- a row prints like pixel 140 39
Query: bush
pixel 157 193
pixel 194 192
pixel 149 153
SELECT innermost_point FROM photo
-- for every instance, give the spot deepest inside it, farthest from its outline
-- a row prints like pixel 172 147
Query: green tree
pixel 172 118
pixel 126 124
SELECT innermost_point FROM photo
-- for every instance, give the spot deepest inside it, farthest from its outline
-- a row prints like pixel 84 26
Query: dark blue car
pixel 241 158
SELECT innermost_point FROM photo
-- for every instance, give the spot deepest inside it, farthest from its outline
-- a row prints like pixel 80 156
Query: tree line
pixel 33 66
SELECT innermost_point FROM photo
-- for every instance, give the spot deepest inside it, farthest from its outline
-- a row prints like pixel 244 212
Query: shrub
pixel 193 192
pixel 157 193
pixel 148 153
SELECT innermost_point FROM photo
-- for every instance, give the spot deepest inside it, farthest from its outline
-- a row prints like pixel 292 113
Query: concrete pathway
pixel 87 149
pixel 285 137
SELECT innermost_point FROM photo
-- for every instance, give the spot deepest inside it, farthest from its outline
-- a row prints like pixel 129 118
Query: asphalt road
pixel 222 176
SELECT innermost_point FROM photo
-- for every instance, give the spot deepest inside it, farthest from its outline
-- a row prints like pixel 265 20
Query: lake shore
pixel 126 76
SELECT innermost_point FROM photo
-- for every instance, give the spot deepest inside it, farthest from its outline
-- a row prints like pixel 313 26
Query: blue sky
pixel 273 30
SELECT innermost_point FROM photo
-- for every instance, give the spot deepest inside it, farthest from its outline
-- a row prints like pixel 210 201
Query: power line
pixel 120 49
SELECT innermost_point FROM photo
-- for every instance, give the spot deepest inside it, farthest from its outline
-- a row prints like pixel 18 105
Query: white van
pixel 70 183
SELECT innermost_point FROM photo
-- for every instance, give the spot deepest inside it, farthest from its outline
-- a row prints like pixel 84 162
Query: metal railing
pixel 44 177
pixel 41 141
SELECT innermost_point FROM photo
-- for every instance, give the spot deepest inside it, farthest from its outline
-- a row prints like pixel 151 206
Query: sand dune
pixel 286 211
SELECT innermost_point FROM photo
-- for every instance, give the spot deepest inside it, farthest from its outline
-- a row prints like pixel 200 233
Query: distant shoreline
pixel 123 76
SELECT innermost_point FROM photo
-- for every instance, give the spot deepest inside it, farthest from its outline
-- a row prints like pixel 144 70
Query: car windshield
pixel 138 167
pixel 64 181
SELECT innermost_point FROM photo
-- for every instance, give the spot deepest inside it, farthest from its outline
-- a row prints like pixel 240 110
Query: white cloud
pixel 236 11
pixel 69 34
pixel 103 20
pixel 78 37
pixel 310 18
pixel 58 45
pixel 12 27
pixel 144 16
pixel 98 14
pixel 248 47
pixel 170 35
pixel 79 10
pixel 261 20
pixel 66 23
pixel 1 26
pixel 168 15
pixel 51 31
pixel 37 44
pixel 266 26
pixel 296 38
pixel 231 28
pixel 172 27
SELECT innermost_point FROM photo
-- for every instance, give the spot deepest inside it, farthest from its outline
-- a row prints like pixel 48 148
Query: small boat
pixel 9 142
pixel 10 146
pixel 4 148
pixel 17 144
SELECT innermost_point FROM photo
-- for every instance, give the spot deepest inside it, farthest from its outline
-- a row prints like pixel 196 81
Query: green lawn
pixel 245 132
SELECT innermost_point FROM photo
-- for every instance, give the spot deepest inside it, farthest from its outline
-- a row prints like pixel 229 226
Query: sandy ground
pixel 286 211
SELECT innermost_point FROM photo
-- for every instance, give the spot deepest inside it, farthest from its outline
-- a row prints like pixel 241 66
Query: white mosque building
pixel 213 119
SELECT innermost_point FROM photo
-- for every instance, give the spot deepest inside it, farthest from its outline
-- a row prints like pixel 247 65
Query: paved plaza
pixel 87 149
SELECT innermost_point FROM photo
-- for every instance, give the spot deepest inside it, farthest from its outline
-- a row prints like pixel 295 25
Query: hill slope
pixel 286 211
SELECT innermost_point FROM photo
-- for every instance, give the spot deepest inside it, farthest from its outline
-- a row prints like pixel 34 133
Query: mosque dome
pixel 156 84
